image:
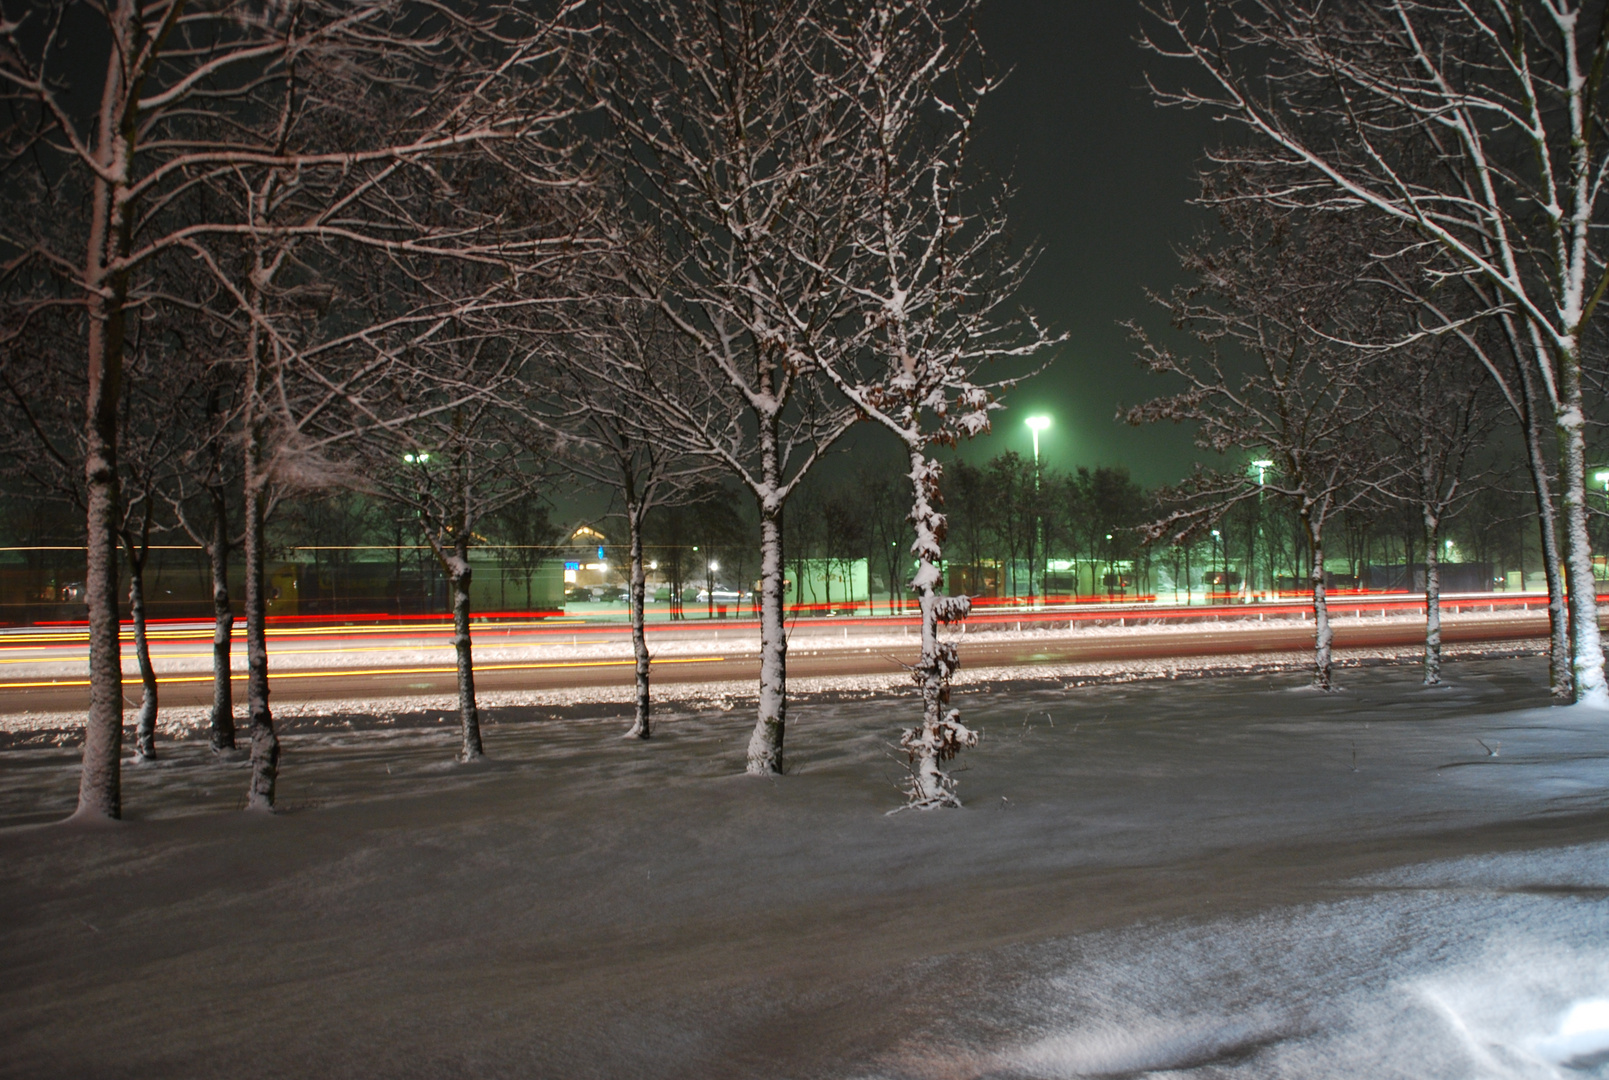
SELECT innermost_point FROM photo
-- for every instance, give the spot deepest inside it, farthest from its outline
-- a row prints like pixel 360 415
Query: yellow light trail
pixel 235 677
pixel 80 637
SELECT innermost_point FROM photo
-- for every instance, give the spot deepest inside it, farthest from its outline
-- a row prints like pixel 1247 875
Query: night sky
pixel 1103 176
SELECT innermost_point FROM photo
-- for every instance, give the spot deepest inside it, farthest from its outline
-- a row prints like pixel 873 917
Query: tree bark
pixel 940 736
pixel 1323 634
pixel 223 624
pixel 1559 679
pixel 459 573
pixel 106 289
pixel 264 743
pixel 1432 600
pixel 145 723
pixel 641 727
pixel 1586 643
pixel 765 745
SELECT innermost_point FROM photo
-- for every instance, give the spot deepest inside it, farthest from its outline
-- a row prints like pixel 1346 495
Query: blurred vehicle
pixel 721 596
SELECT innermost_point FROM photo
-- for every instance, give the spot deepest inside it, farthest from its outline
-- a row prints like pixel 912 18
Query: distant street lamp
pixel 1262 465
pixel 1036 424
pixel 1217 546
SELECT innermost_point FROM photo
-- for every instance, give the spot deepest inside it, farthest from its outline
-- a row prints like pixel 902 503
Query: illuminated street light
pixel 416 459
pixel 1217 542
pixel 1262 465
pixel 714 565
pixel 1036 424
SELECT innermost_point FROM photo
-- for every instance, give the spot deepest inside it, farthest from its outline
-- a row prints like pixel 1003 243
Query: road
pixel 332 663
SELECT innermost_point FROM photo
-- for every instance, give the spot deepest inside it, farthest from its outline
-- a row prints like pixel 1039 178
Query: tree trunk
pixel 1323 635
pixel 264 743
pixel 145 724
pixel 1586 644
pixel 223 625
pixel 106 289
pixel 1559 679
pixel 459 574
pixel 1432 600
pixel 940 736
pixel 765 745
pixel 641 727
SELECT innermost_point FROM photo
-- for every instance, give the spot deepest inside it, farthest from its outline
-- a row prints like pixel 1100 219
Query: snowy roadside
pixel 186 722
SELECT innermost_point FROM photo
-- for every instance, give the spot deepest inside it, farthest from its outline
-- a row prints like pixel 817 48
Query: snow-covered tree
pixel 1435 415
pixel 728 144
pixel 933 282
pixel 1474 124
pixel 587 388
pixel 1268 378
pixel 295 121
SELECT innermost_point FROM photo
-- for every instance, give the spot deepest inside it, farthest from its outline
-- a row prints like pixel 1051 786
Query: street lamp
pixel 1036 424
pixel 1262 465
pixel 1217 543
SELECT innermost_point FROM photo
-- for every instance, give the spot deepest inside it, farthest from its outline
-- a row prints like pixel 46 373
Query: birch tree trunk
pixel 459 573
pixel 1323 634
pixel 641 727
pixel 765 745
pixel 145 723
pixel 1559 678
pixel 264 743
pixel 1586 644
pixel 1432 600
pixel 223 624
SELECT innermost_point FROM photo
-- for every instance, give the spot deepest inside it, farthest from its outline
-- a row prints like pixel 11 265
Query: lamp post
pixel 1111 568
pixel 709 587
pixel 1217 544
pixel 1262 465
pixel 1036 424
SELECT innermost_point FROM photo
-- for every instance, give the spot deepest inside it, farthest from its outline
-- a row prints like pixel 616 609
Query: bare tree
pixel 933 281
pixel 1433 411
pixel 1474 125
pixel 453 470
pixel 726 141
pixel 242 100
pixel 588 391
pixel 1269 380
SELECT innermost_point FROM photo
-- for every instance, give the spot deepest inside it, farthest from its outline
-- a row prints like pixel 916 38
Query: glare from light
pixel 714 566
pixel 1038 423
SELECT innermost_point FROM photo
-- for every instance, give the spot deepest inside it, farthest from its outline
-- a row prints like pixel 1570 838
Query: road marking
pixel 238 676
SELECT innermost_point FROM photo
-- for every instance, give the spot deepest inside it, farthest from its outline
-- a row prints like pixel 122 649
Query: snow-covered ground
pixel 1220 877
